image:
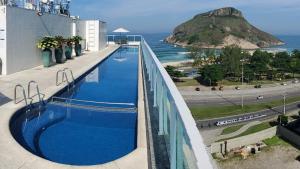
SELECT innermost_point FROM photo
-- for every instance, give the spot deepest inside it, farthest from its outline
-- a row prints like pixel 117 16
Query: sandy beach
pixel 177 63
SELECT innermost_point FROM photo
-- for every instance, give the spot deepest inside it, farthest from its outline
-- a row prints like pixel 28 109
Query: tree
pixel 195 53
pixel 173 72
pixel 231 60
pixel 248 73
pixel 260 61
pixel 201 56
pixel 281 62
pixel 282 120
pixel 212 73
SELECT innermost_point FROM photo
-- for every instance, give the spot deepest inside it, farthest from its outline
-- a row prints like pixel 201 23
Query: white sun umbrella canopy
pixel 120 31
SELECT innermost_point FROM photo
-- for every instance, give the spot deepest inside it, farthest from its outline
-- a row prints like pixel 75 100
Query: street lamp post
pixel 284 98
pixel 242 82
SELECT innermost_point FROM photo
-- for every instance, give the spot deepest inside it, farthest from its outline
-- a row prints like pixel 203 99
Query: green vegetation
pixel 231 129
pixel 211 28
pixel 173 72
pixel 207 112
pixel 234 66
pixel 283 120
pixel 256 128
pixel 211 74
pixel 275 141
pixel 253 129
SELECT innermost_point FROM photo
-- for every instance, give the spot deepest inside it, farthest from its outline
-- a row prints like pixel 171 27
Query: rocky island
pixel 219 28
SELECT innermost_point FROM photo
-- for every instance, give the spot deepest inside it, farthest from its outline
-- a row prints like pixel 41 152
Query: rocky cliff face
pixel 221 27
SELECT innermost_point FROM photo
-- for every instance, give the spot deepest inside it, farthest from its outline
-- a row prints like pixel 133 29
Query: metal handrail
pixel 24 94
pixel 57 74
pixel 71 72
pixel 37 90
pixel 65 77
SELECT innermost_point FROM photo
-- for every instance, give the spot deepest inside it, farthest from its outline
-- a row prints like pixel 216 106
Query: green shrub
pixel 283 120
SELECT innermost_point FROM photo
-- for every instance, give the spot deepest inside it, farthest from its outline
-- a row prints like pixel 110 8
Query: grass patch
pixel 256 128
pixel 208 112
pixel 231 129
pixel 275 141
pixel 187 82
pixel 253 129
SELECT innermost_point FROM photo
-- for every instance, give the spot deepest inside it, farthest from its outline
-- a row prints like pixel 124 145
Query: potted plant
pixel 69 48
pixel 78 47
pixel 46 44
pixel 59 49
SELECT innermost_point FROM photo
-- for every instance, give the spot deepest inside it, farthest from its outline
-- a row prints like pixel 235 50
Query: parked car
pixel 221 88
pixel 237 88
pixel 260 97
pixel 213 88
pixel 283 84
pixel 197 89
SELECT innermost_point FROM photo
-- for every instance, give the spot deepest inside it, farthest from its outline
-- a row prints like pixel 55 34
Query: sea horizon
pixel 172 53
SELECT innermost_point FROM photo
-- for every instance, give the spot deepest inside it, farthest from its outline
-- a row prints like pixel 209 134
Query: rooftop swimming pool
pixel 93 123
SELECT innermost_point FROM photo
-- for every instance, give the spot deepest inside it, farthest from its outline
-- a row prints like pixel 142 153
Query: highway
pixel 270 113
pixel 234 97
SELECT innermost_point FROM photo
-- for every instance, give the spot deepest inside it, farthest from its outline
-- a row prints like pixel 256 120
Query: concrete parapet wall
pixel 244 140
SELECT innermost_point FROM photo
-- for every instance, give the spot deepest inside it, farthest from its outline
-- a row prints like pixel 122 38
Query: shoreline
pixel 177 63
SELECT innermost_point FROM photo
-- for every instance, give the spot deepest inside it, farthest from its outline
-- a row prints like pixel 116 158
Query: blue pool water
pixel 78 134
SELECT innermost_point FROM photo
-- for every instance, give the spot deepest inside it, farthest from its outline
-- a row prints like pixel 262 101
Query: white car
pixel 295 81
pixel 260 97
pixel 283 84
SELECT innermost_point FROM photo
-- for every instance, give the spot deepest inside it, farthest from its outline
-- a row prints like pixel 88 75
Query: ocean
pixel 170 53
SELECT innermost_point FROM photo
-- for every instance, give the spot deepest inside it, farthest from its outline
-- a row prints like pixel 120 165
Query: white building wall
pixel 24 29
pixel 102 35
pixel 93 33
pixel 2 40
pixel 20 30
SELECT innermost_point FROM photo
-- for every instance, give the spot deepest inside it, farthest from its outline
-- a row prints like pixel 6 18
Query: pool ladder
pixel 28 97
pixel 65 77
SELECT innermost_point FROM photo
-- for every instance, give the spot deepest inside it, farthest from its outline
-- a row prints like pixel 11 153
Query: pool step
pixel 91 105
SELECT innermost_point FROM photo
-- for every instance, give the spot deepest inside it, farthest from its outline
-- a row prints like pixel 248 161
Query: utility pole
pixel 284 98
pixel 242 83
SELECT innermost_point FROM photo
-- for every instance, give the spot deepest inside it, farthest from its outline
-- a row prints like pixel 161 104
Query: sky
pixel 279 17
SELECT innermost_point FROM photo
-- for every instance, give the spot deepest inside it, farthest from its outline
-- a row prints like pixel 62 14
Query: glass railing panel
pixel 184 143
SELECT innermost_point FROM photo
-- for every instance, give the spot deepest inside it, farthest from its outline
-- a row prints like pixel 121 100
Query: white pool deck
pixel 14 156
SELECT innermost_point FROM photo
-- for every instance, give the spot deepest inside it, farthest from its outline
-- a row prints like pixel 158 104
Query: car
pixel 213 89
pixel 295 81
pixel 237 88
pixel 260 97
pixel 197 89
pixel 283 84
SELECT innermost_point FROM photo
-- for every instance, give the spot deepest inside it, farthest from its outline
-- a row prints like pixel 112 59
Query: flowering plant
pixel 47 43
pixel 60 40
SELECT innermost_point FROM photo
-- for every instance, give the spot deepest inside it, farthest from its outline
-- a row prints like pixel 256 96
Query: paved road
pixel 237 100
pixel 270 113
pixel 234 97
